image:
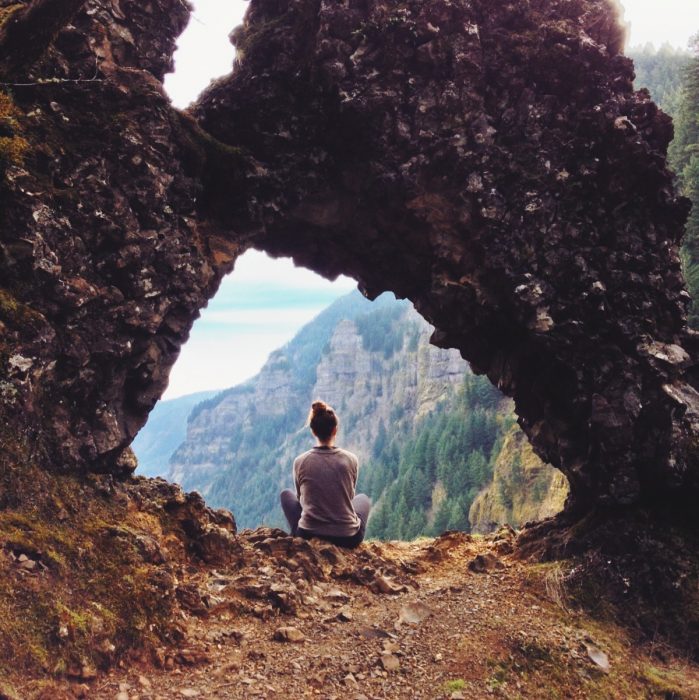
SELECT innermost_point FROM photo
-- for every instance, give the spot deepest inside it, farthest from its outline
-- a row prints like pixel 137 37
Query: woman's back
pixel 325 479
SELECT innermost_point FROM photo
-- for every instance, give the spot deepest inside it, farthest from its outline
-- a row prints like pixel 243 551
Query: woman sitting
pixel 325 477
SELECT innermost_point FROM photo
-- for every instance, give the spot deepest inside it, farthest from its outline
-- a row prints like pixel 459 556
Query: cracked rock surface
pixel 490 162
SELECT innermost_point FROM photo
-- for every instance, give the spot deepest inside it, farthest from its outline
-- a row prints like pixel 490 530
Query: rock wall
pixel 104 267
pixel 490 162
pixel 493 164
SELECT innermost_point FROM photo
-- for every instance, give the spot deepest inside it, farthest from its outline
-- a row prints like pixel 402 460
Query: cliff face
pixel 523 488
pixel 164 433
pixel 377 369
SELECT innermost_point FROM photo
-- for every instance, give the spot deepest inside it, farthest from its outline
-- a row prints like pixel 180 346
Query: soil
pixel 456 617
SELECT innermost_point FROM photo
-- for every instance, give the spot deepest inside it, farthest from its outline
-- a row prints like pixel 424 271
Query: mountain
pixel 367 359
pixel 164 432
pixel 427 431
pixel 523 489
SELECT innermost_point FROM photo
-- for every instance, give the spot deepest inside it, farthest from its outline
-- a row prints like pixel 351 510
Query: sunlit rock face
pixel 489 161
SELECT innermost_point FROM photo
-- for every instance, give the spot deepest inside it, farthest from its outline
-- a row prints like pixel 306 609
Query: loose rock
pixel 289 634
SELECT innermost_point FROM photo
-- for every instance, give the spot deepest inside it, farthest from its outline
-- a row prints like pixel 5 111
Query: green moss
pixel 220 167
pixel 12 147
pixel 247 36
pixel 8 692
pixel 663 683
pixel 15 312
pixel 96 598
pixel 452 686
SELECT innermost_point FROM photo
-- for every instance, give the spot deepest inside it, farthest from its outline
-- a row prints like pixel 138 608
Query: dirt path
pixel 397 620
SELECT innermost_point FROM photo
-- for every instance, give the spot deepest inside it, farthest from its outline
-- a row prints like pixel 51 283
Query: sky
pixel 264 302
pixel 259 307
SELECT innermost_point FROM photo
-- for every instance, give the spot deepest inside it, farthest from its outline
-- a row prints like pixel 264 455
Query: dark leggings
pixel 292 510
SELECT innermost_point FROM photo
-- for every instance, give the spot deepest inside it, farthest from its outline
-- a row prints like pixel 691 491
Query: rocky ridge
pixel 454 618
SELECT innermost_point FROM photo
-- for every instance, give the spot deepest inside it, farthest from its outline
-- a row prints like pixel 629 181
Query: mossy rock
pixel 13 146
pixel 6 13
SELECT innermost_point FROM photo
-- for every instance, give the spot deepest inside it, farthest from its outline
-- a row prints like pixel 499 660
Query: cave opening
pixel 439 448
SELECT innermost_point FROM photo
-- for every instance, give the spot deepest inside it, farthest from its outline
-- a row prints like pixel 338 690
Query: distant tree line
pixel 425 484
pixel 672 77
pixel 684 158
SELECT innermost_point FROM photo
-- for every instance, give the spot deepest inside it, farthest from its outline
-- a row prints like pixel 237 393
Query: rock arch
pixel 491 163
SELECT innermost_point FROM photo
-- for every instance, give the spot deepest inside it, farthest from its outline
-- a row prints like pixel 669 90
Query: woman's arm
pixel 295 474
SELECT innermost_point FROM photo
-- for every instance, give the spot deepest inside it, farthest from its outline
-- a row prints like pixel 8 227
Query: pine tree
pixel 441 518
pixel 458 516
pixel 684 155
pixel 415 526
pixel 378 523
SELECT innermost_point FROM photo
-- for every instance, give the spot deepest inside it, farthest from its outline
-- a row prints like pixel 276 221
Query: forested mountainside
pixel 427 431
pixel 661 71
pixel 684 159
pixel 164 433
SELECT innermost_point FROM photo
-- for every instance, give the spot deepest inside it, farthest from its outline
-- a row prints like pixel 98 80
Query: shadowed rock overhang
pixel 489 161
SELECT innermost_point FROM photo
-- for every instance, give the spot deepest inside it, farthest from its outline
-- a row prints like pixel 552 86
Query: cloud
pixel 259 308
pixel 262 318
pixel 669 21
pixel 255 266
pixel 204 50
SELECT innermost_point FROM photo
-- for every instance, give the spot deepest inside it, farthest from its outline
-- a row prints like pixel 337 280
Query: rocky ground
pixel 456 617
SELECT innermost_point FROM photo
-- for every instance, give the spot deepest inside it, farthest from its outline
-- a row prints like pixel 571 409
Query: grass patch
pixel 453 686
pixel 91 596
pixel 663 683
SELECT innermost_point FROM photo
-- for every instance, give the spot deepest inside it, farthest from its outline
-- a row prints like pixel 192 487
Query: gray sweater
pixel 325 479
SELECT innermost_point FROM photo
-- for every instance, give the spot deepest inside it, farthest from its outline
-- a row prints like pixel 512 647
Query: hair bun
pixel 322 420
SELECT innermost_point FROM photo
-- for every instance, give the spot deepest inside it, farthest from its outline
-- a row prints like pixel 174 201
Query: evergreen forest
pixel 672 77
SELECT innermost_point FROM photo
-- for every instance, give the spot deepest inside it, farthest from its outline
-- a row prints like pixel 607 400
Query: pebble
pixel 383 585
pixel 189 693
pixel 389 661
pixel 414 613
pixel 349 679
pixel 337 595
pixel 288 634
